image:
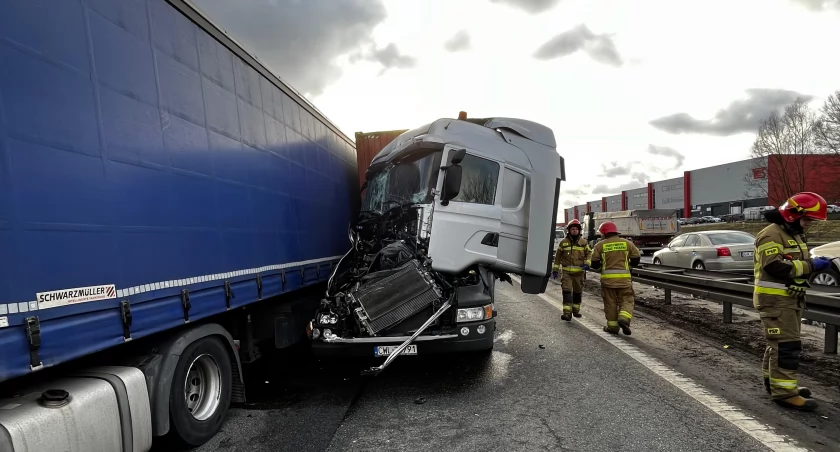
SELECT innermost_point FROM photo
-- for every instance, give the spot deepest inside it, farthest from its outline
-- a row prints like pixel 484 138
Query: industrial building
pixel 726 189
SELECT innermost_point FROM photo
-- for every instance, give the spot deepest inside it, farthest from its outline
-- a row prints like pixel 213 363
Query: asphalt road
pixel 548 385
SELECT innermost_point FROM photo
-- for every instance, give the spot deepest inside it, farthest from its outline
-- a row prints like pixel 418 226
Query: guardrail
pixel 822 303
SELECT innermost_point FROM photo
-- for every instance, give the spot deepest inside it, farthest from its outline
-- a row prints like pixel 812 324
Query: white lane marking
pixel 749 425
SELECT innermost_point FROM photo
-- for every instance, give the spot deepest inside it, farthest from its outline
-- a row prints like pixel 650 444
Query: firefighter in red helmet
pixel 572 258
pixel 614 256
pixel 782 266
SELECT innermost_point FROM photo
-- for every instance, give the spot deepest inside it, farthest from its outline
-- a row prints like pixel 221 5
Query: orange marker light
pixel 462 115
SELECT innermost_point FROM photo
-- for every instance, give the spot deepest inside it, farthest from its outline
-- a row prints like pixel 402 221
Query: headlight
pixel 475 314
pixel 327 319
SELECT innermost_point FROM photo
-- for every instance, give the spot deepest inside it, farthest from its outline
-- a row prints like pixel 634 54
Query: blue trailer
pixel 155 181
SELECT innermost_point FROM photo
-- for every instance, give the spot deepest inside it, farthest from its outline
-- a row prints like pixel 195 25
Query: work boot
pixel 803 391
pixel 625 326
pixel 566 316
pixel 611 329
pixel 577 314
pixel 798 402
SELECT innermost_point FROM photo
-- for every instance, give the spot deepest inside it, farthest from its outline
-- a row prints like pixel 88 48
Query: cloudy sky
pixel 635 91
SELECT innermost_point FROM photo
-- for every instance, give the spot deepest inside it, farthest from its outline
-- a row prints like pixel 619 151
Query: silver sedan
pixel 709 250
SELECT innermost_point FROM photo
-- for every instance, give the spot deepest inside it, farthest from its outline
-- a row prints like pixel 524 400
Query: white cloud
pixel 700 58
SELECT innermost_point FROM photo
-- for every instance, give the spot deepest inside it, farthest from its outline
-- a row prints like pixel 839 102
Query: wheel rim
pixel 202 387
pixel 657 261
pixel 698 266
pixel 825 279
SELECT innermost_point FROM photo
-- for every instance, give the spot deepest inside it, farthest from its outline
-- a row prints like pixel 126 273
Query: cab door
pixel 467 230
pixel 515 203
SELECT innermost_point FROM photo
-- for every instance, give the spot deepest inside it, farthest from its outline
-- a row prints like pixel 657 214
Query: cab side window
pixel 479 181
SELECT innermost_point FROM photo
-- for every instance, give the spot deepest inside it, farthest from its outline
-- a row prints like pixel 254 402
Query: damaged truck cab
pixel 448 208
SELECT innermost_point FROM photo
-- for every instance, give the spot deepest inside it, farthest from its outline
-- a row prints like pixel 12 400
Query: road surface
pixel 548 385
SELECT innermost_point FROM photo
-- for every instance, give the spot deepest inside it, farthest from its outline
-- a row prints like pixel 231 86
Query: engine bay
pixel 385 285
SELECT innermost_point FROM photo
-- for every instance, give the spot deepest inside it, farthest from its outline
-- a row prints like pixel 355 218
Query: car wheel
pixel 699 265
pixel 201 392
pixel 656 261
pixel 826 278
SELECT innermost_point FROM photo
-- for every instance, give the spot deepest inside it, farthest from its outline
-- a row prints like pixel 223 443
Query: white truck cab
pixel 457 203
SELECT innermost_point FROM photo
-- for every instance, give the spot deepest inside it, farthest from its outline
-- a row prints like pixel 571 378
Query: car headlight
pixel 327 318
pixel 475 314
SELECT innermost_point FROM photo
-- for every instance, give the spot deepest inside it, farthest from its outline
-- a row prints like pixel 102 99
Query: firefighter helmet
pixel 608 227
pixel 805 204
pixel 573 223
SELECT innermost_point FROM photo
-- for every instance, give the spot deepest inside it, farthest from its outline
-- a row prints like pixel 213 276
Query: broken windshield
pixel 408 182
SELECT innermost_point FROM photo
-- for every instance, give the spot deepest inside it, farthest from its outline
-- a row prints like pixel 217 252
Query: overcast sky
pixel 635 91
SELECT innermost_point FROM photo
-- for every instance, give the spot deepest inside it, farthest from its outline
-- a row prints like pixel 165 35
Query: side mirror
pixel 457 156
pixel 451 184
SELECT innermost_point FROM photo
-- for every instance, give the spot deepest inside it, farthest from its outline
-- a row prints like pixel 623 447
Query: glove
pixel 798 289
pixel 585 267
pixel 554 274
pixel 819 264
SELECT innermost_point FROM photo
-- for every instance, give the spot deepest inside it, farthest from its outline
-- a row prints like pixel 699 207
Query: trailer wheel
pixel 201 392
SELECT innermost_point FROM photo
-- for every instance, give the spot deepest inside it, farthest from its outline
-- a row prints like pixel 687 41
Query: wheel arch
pixel 160 370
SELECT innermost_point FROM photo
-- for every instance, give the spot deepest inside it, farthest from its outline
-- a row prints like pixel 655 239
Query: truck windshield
pixel 408 182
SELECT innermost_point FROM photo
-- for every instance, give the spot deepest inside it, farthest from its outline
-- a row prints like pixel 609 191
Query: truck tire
pixel 201 391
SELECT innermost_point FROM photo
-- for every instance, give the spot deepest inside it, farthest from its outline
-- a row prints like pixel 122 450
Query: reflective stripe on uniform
pixel 615 274
pixel 625 314
pixel 784 384
pixel 770 288
pixel 799 269
pixel 612 323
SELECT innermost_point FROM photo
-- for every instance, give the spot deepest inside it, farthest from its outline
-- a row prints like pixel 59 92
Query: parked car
pixel 559 234
pixel 830 277
pixel 709 250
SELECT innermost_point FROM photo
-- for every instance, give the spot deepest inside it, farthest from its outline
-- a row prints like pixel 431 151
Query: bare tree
pixel 827 126
pixel 478 188
pixel 827 131
pixel 781 149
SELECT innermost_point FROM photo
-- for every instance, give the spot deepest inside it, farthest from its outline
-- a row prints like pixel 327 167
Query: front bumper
pixel 426 344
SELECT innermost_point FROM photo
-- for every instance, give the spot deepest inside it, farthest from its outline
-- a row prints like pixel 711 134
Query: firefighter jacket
pixel 781 259
pixel 614 256
pixel 571 256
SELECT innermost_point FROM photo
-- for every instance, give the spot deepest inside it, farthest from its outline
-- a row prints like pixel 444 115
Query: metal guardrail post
pixel 667 296
pixel 830 339
pixel 727 312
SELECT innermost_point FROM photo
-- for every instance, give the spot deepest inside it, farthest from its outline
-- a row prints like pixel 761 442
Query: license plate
pixel 746 254
pixel 385 350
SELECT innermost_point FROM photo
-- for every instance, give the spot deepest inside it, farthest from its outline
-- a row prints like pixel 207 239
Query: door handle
pixel 491 239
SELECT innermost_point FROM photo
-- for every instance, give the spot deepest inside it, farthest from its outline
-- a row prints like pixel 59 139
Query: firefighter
pixel 782 265
pixel 573 258
pixel 614 256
